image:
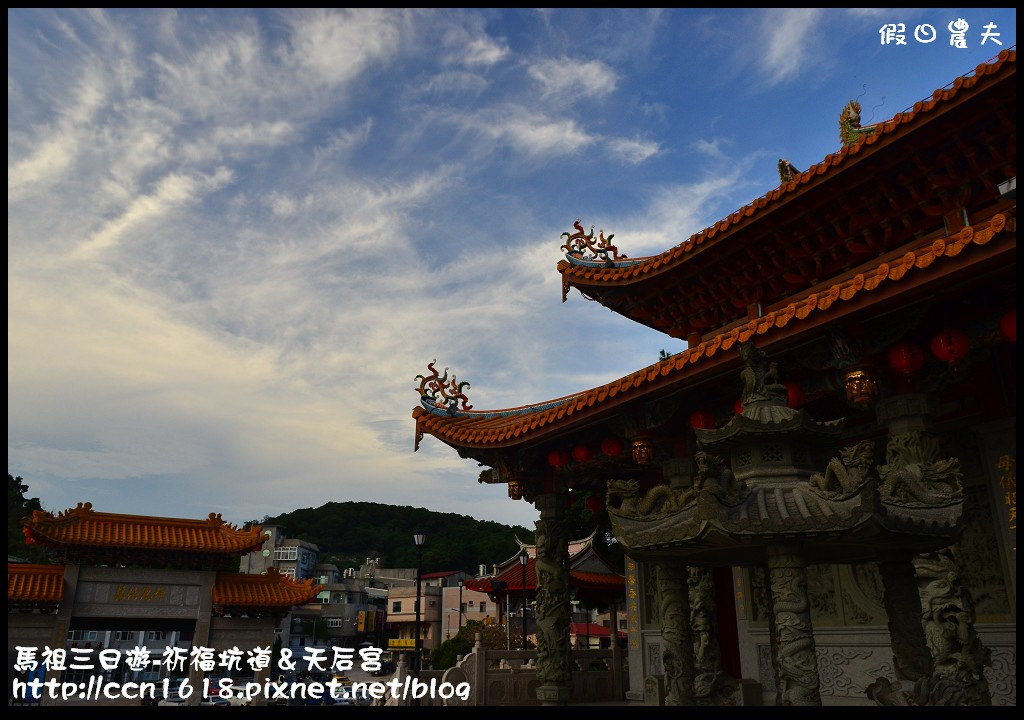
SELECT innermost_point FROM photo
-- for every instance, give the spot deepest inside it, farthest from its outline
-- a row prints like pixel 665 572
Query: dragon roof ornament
pixel 444 397
pixel 438 393
pixel 601 251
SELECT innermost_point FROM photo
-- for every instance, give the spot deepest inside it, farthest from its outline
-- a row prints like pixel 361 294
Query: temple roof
pixel 592 582
pixel 804 231
pixel 925 262
pixel 272 590
pixel 34 584
pixel 44 585
pixel 81 526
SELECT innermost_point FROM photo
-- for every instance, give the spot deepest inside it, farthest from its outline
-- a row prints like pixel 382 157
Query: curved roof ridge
pixel 885 128
pixel 464 431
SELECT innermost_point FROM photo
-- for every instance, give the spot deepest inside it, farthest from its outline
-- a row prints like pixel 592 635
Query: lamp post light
pixel 419 537
pixel 523 559
pixel 460 606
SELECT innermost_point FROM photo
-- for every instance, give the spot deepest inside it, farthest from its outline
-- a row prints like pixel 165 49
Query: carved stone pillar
pixel 676 636
pixel 911 659
pixel 914 465
pixel 948 620
pixel 554 662
pixel 711 685
pixel 797 664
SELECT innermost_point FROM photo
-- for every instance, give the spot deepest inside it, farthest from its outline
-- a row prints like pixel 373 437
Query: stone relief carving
pixel 911 657
pixel 948 619
pixel 863 601
pixel 797 670
pixel 651 612
pixel 979 547
pixel 844 477
pixel 552 603
pixel 712 686
pixel 715 478
pixel 624 496
pixel 847 671
pixel 821 589
pixel 913 476
pixel 677 639
pixel 1002 676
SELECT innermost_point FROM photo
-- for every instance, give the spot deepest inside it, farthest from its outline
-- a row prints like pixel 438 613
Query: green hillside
pixel 349 532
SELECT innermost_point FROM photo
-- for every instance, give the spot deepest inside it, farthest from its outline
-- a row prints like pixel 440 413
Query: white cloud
pixel 171 191
pixel 571 79
pixel 533 133
pixel 789 41
pixel 633 151
pixel 484 51
pixel 336 46
pixel 710 148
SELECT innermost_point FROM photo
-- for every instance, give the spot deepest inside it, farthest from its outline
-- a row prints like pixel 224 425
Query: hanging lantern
pixel 558 459
pixel 794 395
pixel 950 345
pixel 1008 325
pixel 581 453
pixel 702 420
pixel 593 504
pixel 861 387
pixel 737 407
pixel 611 446
pixel 571 498
pixel 643 450
pixel 515 490
pixel 905 358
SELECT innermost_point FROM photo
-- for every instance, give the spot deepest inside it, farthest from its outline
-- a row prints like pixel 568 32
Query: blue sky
pixel 235 237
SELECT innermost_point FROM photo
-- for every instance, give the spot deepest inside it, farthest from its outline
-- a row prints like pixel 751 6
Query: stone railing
pixel 508 677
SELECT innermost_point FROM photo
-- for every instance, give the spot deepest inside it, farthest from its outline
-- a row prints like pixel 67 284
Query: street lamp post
pixel 460 606
pixel 523 559
pixel 419 537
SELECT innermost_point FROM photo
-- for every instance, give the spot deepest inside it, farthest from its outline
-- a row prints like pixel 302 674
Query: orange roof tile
pixel 27 583
pixel 513 579
pixel 81 526
pixel 480 429
pixel 44 584
pixel 886 133
pixel 272 590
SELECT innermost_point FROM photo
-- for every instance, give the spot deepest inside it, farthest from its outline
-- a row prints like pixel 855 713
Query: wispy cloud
pixel 484 51
pixel 789 41
pixel 529 132
pixel 170 192
pixel 336 46
pixel 633 151
pixel 572 79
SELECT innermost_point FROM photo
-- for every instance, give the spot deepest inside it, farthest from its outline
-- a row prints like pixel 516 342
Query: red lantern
pixel 1008 325
pixel 950 345
pixel 593 504
pixel 611 446
pixel 557 459
pixel 737 407
pixel 581 453
pixel 905 358
pixel 794 395
pixel 702 420
pixel 572 498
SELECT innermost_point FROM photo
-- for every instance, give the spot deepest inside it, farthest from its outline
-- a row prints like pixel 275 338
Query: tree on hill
pixel 18 507
pixel 357 530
